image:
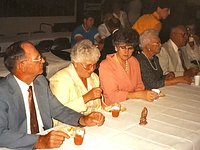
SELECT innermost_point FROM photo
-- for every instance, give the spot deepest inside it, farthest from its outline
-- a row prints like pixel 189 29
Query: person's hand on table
pixel 146 95
pixel 169 76
pixel 93 119
pixel 185 79
pixel 150 95
pixel 191 72
pixel 53 139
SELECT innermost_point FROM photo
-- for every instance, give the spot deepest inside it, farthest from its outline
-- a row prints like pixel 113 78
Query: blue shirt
pixel 80 31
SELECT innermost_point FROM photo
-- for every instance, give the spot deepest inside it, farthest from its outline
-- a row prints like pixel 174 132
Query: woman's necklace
pixel 154 67
pixel 126 64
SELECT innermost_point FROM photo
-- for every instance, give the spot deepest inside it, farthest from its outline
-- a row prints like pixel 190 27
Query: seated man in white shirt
pixel 174 59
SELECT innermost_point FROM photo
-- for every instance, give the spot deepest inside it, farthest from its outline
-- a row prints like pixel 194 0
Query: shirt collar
pixel 174 46
pixel 115 31
pixel 85 28
pixel 22 84
pixel 156 15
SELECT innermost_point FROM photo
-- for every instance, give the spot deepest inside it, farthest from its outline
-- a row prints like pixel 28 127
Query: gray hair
pixel 177 28
pixel 84 51
pixel 13 54
pixel 145 37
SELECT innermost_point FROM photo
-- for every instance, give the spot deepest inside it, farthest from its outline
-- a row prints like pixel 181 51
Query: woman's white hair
pixel 84 51
pixel 145 37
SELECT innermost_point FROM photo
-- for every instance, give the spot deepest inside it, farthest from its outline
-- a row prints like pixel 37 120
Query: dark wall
pixel 36 8
pixel 81 10
pixel 182 13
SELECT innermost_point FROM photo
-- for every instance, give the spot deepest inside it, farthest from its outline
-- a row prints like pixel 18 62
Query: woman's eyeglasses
pixel 126 47
pixel 157 44
pixel 88 66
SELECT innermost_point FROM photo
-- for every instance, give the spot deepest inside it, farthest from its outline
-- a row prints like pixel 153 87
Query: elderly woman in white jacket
pixel 77 86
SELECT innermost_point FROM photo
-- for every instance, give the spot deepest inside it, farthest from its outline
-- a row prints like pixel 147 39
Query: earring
pixel 115 49
pixel 149 49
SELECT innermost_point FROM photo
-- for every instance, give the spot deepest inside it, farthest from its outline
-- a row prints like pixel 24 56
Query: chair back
pixel 61 43
pixel 44 46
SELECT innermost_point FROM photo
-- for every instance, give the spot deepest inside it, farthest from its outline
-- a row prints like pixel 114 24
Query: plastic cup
pixel 115 111
pixel 79 135
pixel 197 80
pixel 156 90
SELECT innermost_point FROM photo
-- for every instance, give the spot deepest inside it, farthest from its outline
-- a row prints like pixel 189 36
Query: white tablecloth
pixel 54 64
pixel 173 124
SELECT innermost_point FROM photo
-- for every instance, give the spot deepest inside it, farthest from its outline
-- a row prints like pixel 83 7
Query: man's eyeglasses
pixel 38 59
pixel 183 34
pixel 157 44
pixel 126 47
pixel 88 66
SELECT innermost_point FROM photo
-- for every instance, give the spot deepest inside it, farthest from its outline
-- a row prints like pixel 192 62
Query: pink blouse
pixel 115 82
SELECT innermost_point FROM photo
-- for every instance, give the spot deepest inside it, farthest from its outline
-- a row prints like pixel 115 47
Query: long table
pixel 173 124
pixel 54 64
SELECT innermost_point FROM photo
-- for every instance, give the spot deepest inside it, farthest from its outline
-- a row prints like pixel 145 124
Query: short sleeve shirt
pixel 147 21
pixel 80 31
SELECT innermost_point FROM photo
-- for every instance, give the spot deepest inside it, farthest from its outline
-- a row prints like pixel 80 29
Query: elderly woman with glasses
pixel 119 73
pixel 77 86
pixel 152 74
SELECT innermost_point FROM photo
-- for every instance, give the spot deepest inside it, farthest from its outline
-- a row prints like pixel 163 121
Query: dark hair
pixel 12 54
pixel 164 4
pixel 113 23
pixel 126 35
pixel 87 15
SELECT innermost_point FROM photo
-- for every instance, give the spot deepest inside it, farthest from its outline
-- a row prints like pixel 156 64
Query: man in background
pixel 86 31
pixel 152 21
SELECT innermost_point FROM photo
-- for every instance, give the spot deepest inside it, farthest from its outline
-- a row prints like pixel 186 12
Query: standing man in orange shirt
pixel 152 21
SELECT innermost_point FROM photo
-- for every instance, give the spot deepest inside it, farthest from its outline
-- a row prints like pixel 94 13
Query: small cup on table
pixel 79 134
pixel 115 111
pixel 157 91
pixel 197 80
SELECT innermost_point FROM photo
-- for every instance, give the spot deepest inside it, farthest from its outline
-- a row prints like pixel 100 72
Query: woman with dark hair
pixel 119 73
